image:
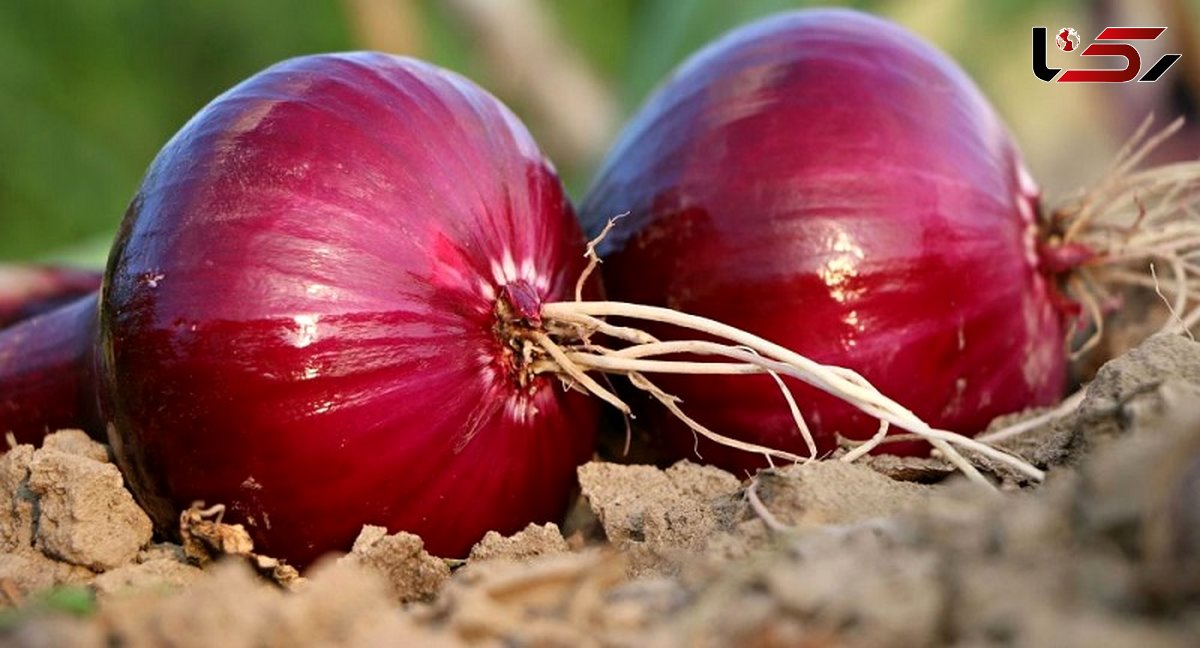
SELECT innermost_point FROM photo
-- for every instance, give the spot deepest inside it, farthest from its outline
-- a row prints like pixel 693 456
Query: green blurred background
pixel 90 90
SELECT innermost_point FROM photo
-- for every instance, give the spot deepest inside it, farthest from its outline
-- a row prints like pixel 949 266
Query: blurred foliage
pixel 90 90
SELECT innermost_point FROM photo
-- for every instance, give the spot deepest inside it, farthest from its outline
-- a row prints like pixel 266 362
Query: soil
pixel 1105 552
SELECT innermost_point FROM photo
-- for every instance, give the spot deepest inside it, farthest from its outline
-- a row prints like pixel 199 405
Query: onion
pixel 47 332
pixel 47 379
pixel 308 313
pixel 826 180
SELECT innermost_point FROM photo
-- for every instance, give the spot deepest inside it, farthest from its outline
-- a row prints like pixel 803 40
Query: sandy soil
pixel 1105 552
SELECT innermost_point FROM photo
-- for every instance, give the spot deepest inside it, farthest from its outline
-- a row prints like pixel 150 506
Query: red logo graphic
pixel 1112 41
pixel 1067 39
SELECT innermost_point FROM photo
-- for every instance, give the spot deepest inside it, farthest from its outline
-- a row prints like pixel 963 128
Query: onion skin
pixel 299 320
pixel 826 180
pixel 47 373
pixel 47 351
pixel 28 290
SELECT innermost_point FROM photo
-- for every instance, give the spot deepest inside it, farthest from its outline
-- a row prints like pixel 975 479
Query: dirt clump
pixel 553 600
pixel 533 540
pixel 655 515
pixel 16 500
pixel 64 515
pixel 410 572
pixel 340 605
pixel 834 492
pixel 87 517
pixel 26 573
pixel 1160 358
pixel 678 507
pixel 163 567
pixel 76 442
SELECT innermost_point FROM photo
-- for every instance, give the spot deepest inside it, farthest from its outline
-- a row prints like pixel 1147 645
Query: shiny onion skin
pixel 298 319
pixel 47 351
pixel 47 373
pixel 826 180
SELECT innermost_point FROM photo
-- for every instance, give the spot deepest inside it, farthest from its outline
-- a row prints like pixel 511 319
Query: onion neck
pixel 1060 261
pixel 1057 258
pixel 48 373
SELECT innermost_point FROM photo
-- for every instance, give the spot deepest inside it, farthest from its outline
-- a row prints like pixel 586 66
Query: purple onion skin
pixel 47 373
pixel 29 290
pixel 826 180
pixel 299 310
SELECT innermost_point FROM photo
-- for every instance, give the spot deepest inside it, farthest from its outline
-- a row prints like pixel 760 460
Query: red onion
pixel 47 333
pixel 47 379
pixel 826 180
pixel 308 310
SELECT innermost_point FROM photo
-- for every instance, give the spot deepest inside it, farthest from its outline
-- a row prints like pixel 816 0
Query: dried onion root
pixel 1135 223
